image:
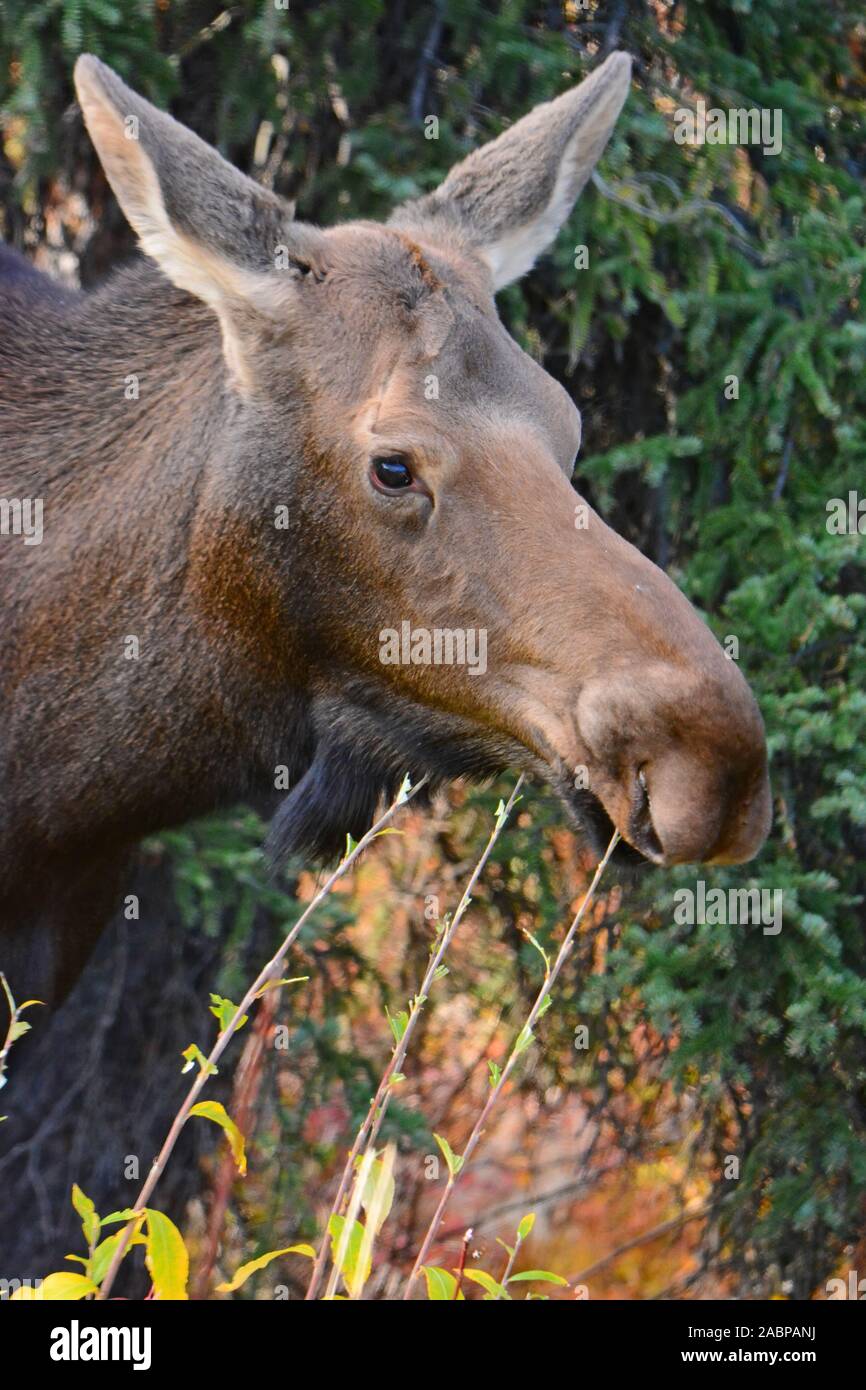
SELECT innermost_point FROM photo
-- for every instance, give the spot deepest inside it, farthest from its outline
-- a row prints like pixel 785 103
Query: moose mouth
pixel 357 759
pixel 590 820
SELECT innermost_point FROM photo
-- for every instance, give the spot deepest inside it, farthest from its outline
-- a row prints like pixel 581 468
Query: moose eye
pixel 391 473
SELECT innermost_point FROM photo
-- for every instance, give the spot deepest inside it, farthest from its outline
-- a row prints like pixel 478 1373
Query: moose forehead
pixel 426 347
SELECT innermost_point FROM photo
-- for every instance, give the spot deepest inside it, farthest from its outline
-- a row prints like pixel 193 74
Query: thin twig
pixel 528 1200
pixel 664 1228
pixel 425 62
pixel 16 1027
pixel 509 1263
pixel 519 1046
pixel 265 977
pixel 464 1250
pixel 782 476
pixel 678 214
pixel 612 29
pixel 342 1242
pixel 245 1094
pixel 369 1130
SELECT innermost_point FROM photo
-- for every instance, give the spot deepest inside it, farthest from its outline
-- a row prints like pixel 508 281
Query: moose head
pixel 340 509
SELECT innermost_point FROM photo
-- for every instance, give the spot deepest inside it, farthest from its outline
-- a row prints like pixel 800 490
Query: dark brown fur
pixel 259 647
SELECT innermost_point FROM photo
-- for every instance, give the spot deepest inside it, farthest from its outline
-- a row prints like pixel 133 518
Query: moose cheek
pixel 406 513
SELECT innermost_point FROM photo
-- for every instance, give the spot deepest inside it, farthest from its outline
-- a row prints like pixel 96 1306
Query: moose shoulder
pixel 262 448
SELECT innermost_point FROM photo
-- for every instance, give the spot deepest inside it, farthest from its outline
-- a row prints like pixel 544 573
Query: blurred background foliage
pixel 705 1042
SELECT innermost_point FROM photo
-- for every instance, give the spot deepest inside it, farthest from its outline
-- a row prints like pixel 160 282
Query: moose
pixel 261 446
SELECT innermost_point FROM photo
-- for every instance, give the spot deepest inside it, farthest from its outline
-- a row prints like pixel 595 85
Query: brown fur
pixel 259 647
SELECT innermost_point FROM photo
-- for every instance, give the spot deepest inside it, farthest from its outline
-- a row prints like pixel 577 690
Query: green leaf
pixel 97 1267
pixel 441 1286
pixel 495 1072
pixel 539 948
pixel 194 1054
pixel 479 1276
pixel 87 1211
pixel 126 1215
pixel 502 812
pixel 242 1274
pixel 212 1110
pixel 349 1266
pixel 526 1226
pixel 166 1258
pixel 454 1161
pixel 399 1022
pixel 525 1039
pixel 543 1275
pixel 224 1011
pixel 373 1177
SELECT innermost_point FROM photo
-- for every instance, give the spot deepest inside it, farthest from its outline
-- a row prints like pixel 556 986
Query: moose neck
pixel 133 380
pixel 147 651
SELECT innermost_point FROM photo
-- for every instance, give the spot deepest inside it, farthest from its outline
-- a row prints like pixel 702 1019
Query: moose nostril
pixel 642 832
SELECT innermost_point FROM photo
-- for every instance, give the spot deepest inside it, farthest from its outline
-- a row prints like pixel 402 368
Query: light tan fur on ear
pixel 130 172
pixel 125 130
pixel 510 197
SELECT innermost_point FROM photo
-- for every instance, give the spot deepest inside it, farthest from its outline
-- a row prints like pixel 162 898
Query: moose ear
pixel 212 230
pixel 509 198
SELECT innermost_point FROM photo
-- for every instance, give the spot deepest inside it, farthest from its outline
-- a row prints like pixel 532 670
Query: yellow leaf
pixel 346 1249
pixel 278 984
pixel 242 1275
pixel 441 1285
pixel 212 1110
pixel 379 1186
pixel 62 1287
pixel 87 1211
pixel 166 1258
